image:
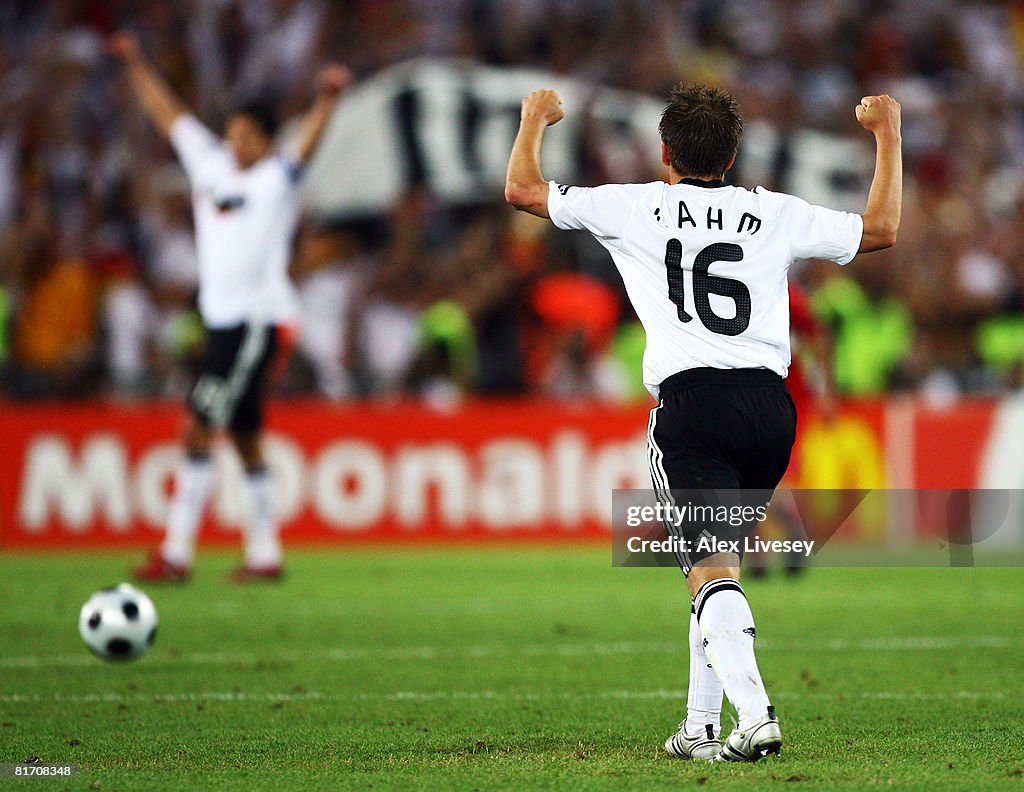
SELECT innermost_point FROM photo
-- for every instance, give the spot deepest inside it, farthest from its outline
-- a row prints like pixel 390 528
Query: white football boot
pixel 702 745
pixel 755 743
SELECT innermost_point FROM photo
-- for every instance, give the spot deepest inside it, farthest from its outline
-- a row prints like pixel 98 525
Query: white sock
pixel 262 547
pixel 192 485
pixel 728 626
pixel 704 696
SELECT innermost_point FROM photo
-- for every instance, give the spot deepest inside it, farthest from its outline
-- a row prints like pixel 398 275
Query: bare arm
pixel 157 99
pixel 880 115
pixel 334 79
pixel 525 186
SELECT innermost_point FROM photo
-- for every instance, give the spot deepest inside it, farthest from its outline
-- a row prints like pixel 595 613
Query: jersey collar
pixel 702 182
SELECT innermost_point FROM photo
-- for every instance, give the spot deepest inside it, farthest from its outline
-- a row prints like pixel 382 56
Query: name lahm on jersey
pixel 715 220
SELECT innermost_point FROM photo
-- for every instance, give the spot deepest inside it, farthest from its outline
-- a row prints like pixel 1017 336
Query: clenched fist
pixel 879 114
pixel 544 105
pixel 123 46
pixel 334 79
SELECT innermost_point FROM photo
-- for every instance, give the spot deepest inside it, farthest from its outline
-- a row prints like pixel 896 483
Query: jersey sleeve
pixel 603 211
pixel 195 145
pixel 294 170
pixel 817 232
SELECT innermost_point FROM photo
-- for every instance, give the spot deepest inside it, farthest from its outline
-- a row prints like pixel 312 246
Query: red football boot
pixel 157 569
pixel 248 573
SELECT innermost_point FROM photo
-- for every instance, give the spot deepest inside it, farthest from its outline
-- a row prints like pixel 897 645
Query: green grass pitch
pixel 505 669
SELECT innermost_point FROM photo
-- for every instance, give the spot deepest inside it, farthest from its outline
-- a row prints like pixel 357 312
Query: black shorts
pixel 719 430
pixel 232 379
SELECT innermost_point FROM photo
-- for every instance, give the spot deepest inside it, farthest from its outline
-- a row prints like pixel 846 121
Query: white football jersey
pixel 706 267
pixel 244 225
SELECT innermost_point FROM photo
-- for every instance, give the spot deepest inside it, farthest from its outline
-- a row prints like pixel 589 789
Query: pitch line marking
pixel 454 695
pixel 429 653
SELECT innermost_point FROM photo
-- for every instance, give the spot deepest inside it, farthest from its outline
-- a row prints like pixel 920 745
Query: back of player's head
pixel 262 112
pixel 701 127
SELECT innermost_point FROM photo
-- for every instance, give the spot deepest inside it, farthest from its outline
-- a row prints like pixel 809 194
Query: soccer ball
pixel 118 623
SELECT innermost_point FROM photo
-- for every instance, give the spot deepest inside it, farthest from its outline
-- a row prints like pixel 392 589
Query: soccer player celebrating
pixel 246 203
pixel 724 419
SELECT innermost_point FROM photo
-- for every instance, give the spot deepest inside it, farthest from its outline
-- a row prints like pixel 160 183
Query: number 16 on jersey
pixel 706 284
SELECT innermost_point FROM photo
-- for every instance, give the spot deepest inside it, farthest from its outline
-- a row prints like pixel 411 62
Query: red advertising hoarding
pixel 101 474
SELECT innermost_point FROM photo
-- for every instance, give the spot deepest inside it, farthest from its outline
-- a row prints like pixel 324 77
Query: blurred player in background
pixel 809 382
pixel 245 197
pixel 724 420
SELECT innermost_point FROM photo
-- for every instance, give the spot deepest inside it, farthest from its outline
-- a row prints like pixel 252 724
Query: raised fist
pixel 544 105
pixel 123 46
pixel 879 113
pixel 335 78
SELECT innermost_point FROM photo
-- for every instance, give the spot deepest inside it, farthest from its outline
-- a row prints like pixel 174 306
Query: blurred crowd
pixel 97 260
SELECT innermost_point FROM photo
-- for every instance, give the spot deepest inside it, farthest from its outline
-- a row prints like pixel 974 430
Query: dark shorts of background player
pixel 720 429
pixel 229 390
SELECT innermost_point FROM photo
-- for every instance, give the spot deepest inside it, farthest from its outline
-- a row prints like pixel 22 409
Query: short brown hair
pixel 701 127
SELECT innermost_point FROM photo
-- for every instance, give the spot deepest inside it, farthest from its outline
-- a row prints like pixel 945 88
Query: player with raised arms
pixel 245 196
pixel 724 419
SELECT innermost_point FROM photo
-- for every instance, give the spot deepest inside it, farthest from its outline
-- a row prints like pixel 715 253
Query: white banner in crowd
pixel 449 125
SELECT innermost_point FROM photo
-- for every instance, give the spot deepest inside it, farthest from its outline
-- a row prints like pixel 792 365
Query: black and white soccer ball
pixel 118 623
